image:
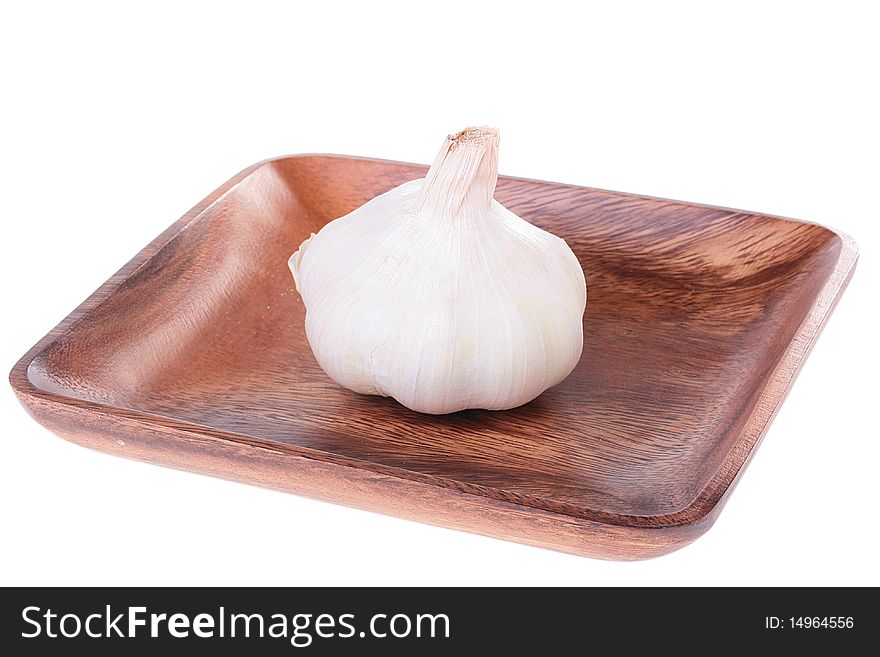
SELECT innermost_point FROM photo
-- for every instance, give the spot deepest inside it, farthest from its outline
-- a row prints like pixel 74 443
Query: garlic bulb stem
pixel 465 169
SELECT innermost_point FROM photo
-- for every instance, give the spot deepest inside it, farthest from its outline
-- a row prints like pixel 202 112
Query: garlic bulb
pixel 435 294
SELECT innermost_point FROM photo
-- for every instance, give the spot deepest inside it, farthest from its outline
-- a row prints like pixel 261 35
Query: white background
pixel 115 121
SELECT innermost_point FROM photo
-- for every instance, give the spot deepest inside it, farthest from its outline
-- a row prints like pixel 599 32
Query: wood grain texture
pixel 698 318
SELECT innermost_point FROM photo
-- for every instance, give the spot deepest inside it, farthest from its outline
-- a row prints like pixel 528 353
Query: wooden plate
pixel 698 318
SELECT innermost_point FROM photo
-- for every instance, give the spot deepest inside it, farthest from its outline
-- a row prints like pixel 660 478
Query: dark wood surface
pixel 698 318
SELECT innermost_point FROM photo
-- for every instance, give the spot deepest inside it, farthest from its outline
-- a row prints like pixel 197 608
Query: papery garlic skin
pixel 435 294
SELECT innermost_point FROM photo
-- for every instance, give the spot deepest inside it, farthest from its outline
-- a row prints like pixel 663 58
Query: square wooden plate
pixel 698 318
